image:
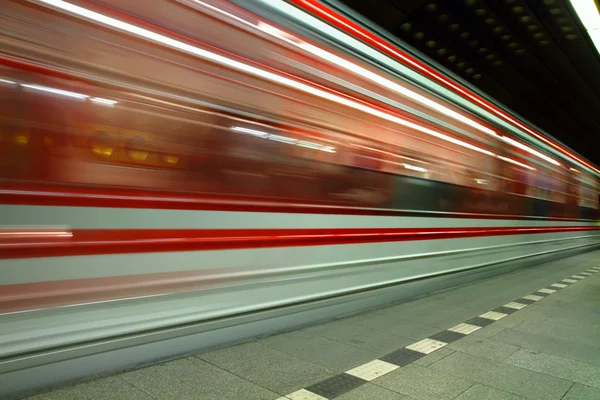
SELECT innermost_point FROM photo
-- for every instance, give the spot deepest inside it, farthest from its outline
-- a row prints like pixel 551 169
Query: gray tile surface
pixel 557 347
pixel 482 392
pixel 375 340
pixel 371 392
pixel 571 333
pixel 436 313
pixel 433 357
pixel 423 383
pixel 274 370
pixel 532 314
pixel 389 323
pixel 319 350
pixel 547 350
pixel 501 376
pixel 109 388
pixel 575 371
pixel 485 348
pixel 581 392
pixel 498 326
pixel 589 322
pixel 191 378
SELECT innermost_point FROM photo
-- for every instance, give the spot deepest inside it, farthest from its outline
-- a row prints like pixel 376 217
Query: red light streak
pixel 356 30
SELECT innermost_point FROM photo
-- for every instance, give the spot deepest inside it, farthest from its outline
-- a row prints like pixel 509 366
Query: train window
pixel 101 144
pixel 145 144
pixel 136 149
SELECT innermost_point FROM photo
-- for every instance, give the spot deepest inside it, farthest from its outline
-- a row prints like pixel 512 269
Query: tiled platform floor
pixel 469 342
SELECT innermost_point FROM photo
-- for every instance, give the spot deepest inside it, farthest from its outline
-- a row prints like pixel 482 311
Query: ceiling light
pixel 588 13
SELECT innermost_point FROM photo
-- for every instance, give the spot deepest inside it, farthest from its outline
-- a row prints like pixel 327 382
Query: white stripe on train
pixel 133 218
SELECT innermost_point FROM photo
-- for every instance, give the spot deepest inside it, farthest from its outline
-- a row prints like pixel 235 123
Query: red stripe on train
pixel 72 196
pixel 32 244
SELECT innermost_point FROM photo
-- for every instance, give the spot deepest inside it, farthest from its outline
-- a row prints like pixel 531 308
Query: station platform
pixel 530 334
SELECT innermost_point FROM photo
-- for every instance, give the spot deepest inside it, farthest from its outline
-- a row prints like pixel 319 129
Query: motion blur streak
pixel 529 150
pixel 347 25
pixel 252 70
pixel 325 55
pixel 386 83
pixel 180 181
pixel 56 91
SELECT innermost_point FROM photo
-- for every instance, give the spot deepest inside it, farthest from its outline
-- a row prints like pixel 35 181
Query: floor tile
pixel 369 339
pixel 484 348
pixel 482 392
pixel 572 333
pixel 394 325
pixel 108 388
pixel 372 370
pixel 581 392
pixel 576 371
pixel 554 346
pixel 371 392
pixel 192 378
pixel 302 394
pixel 441 315
pixel 504 377
pixel 447 336
pixel 433 357
pixel 426 346
pixel 493 315
pixel 336 385
pixel 422 383
pixel 274 370
pixel 320 350
pixel 465 329
pixel 402 357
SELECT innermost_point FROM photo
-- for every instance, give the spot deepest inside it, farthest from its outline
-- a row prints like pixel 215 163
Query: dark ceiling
pixel 531 55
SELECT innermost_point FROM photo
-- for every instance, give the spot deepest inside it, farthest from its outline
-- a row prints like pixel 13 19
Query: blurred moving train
pixel 197 172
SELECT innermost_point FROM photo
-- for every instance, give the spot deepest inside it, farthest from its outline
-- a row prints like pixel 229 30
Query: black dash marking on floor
pixel 478 321
pixel 524 301
pixel 402 357
pixel 336 385
pixel 505 310
pixel 342 383
pixel 447 336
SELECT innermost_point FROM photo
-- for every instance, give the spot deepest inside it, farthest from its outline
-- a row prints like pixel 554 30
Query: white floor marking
pixel 493 315
pixel 515 305
pixel 464 328
pixel 533 297
pixel 372 370
pixel 426 346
